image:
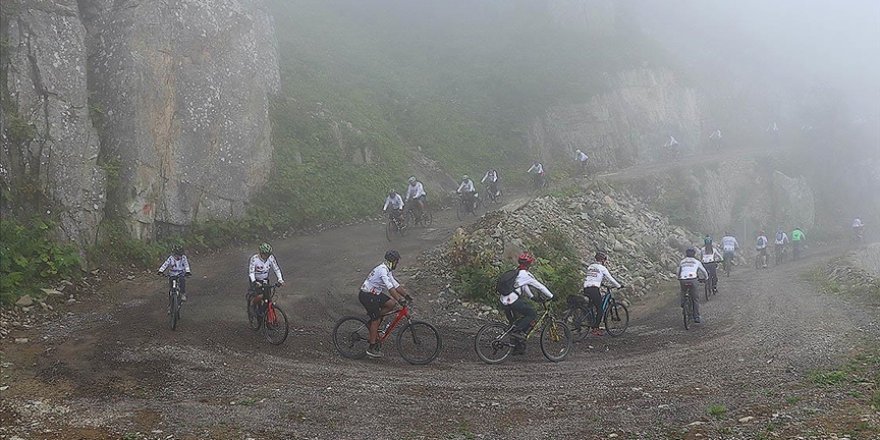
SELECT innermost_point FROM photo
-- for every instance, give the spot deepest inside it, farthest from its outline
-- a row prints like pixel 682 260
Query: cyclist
pixel 258 272
pixel 761 248
pixel 781 241
pixel 797 241
pixel 395 202
pixel 538 169
pixel 672 145
pixel 689 271
pixel 729 246
pixel 178 265
pixel 468 192
pixel 715 137
pixel 518 311
pixel 416 192
pixel 710 256
pixel 596 273
pixel 491 180
pixel 379 294
pixel 581 159
pixel 858 229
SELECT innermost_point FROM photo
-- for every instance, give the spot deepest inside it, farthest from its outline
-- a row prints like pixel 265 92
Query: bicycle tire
pixel 351 337
pixel 616 313
pixel 427 217
pixel 685 311
pixel 555 340
pixel 579 319
pixel 706 288
pixel 276 332
pixel 458 210
pixel 493 343
pixel 388 232
pixel 421 336
pixel 174 304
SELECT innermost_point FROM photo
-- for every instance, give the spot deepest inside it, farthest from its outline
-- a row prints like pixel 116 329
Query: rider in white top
pixel 519 312
pixel 537 168
pixel 415 189
pixel 379 294
pixel 580 156
pixel 178 265
pixel 690 270
pixel 857 223
pixel 710 256
pixel 491 180
pixel 258 272
pixel 466 185
pixel 393 200
pixel 729 245
pixel 761 246
pixel 671 142
pixel 596 274
pixel 715 134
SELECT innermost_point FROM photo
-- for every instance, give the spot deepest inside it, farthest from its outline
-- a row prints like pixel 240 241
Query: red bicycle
pixel 417 341
pixel 266 315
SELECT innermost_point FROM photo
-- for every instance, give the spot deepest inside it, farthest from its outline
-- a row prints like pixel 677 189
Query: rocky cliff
pixel 171 99
pixel 626 125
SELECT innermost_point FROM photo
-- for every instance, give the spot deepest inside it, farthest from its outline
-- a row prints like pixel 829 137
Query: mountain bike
pixel 174 301
pixel 539 181
pixel 780 254
pixel 495 197
pixel 687 307
pixel 267 315
pixel 395 226
pixel 465 207
pixel 582 314
pixel 425 217
pixel 727 264
pixel 494 341
pixel 417 341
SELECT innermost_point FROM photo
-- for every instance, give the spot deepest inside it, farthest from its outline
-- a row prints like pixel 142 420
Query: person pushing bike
pixel 379 294
pixel 596 273
pixel 518 284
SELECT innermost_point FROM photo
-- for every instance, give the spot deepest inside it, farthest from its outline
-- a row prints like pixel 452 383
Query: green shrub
pixel 116 244
pixel 717 411
pixel 30 258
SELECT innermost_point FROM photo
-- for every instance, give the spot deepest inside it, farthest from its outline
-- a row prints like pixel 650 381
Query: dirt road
pixel 118 372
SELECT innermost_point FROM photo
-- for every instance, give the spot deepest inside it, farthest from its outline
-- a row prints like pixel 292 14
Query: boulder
pixel 25 301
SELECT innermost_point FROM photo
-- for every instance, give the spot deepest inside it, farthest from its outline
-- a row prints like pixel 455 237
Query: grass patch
pixel 31 257
pixel 717 411
pixel 828 378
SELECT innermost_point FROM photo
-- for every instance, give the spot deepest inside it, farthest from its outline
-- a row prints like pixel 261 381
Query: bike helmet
pixel 600 256
pixel 266 248
pixel 412 179
pixel 465 177
pixel 525 259
pixel 392 257
pixel 707 241
pixel 690 252
pixel 392 192
pixel 177 250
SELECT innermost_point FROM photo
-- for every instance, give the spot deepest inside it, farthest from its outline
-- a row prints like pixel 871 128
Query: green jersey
pixel 797 235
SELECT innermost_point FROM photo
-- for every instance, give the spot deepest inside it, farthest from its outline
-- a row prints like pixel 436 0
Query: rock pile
pixel 643 247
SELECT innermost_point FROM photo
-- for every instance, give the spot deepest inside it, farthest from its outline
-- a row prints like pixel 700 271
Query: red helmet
pixel 526 259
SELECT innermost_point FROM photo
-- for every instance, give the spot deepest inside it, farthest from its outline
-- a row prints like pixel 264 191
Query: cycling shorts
pixel 373 303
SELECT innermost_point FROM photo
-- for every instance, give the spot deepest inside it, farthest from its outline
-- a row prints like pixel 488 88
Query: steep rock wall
pixel 184 89
pixel 48 145
pixel 626 125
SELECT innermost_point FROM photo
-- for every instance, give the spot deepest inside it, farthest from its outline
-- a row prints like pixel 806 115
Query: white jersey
pixel 715 134
pixel 258 269
pixel 466 186
pixel 537 168
pixel 177 267
pixel 711 257
pixel 415 191
pixel 380 280
pixel 522 286
pixel 691 269
pixel 491 177
pixel 781 238
pixel 580 156
pixel 761 242
pixel 729 243
pixel 857 223
pixel 671 142
pixel 395 202
pixel 596 273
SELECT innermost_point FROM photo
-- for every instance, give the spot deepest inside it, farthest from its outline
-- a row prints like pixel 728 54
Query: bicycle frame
pixel 268 293
pixel 401 314
pixel 536 327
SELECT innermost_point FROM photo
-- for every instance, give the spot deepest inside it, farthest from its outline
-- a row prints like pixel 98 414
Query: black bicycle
pixel 467 206
pixel 781 250
pixel 688 310
pixel 174 301
pixel 423 216
pixel 496 196
pixel 581 314
pixel 266 315
pixel 396 226
pixel 495 340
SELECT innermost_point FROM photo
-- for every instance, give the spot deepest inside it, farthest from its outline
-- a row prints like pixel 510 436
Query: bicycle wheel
pixel 418 343
pixel 459 210
pixel 254 321
pixel 555 340
pixel 706 288
pixel 174 307
pixel 578 319
pixel 427 217
pixel 493 342
pixel 276 327
pixel 351 337
pixel 685 311
pixel 616 318
pixel 499 199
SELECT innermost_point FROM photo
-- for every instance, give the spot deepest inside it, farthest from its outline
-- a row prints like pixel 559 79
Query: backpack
pixel 779 237
pixel 506 282
pixel 762 241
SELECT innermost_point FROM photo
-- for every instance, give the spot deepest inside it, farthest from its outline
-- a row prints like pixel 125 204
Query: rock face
pixel 171 98
pixel 793 200
pixel 184 90
pixel 627 125
pixel 48 145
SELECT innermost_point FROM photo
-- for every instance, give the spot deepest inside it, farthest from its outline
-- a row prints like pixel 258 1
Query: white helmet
pixel 412 179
